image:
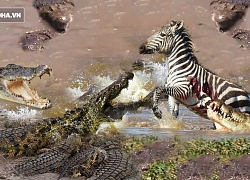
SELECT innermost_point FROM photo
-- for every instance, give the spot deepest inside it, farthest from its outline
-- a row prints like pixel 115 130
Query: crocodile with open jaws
pixel 56 133
pixel 229 118
pixel 218 112
pixel 14 85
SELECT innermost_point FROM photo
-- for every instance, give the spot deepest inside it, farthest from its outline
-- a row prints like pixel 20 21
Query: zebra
pixel 189 83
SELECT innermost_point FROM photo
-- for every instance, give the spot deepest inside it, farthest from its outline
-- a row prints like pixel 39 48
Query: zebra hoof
pixel 157 113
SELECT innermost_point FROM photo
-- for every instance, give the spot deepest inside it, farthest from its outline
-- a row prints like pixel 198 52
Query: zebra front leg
pixel 173 107
pixel 156 96
pixel 177 92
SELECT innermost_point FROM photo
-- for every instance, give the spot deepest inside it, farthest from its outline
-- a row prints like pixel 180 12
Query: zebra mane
pixel 190 45
pixel 188 42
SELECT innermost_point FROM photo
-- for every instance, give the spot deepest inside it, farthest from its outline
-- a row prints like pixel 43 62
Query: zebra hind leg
pixel 156 96
pixel 173 106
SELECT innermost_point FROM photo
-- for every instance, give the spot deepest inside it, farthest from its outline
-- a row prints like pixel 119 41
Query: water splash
pixel 168 120
pixel 75 92
pixel 108 128
pixel 159 74
pixel 154 74
pixel 136 89
pixel 134 92
pixel 22 113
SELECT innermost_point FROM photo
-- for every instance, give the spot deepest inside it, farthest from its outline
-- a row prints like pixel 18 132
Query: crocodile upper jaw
pixel 230 119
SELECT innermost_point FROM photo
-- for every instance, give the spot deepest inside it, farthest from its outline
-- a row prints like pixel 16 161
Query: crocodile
pixel 226 116
pixel 58 13
pixel 14 85
pixel 55 134
pixel 34 40
pixel 226 13
pixel 52 159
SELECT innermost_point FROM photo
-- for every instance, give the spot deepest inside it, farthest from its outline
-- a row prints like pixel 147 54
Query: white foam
pixel 21 113
pixel 136 89
pixel 74 93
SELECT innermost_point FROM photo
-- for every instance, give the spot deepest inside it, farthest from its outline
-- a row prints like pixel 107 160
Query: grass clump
pixel 183 150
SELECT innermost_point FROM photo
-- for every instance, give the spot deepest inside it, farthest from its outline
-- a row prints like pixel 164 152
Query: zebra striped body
pixel 188 82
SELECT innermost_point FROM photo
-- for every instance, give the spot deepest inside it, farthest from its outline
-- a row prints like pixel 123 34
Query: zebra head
pixel 163 40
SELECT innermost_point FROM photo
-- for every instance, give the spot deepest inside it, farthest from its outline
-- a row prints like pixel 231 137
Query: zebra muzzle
pixel 144 50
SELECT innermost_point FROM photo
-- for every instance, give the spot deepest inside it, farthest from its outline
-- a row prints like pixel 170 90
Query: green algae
pixel 133 143
pixel 183 149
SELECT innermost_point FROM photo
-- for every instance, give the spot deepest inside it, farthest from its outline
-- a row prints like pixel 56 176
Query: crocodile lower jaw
pixel 19 91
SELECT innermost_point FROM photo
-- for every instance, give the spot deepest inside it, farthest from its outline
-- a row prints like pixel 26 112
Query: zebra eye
pixel 162 34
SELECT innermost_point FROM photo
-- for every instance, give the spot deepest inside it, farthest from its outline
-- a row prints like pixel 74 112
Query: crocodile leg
pixel 117 164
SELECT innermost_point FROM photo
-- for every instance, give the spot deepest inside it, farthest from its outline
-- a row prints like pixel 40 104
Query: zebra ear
pixel 176 26
pixel 179 25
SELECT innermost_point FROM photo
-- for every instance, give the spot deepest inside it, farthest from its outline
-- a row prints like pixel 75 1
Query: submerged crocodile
pixel 58 13
pixel 34 40
pixel 226 14
pixel 14 85
pixel 242 35
pixel 83 121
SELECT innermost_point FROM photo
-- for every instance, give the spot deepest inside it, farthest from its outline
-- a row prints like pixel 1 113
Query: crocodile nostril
pixel 62 31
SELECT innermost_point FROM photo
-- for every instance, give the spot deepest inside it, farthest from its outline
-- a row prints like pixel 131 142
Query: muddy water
pixel 103 39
